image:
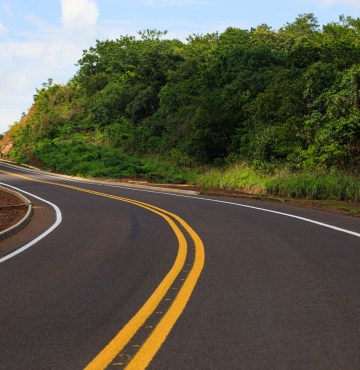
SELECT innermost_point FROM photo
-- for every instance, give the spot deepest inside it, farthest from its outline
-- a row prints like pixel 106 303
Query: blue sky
pixel 41 39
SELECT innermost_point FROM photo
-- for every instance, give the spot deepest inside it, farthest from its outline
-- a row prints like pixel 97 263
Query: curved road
pixel 122 281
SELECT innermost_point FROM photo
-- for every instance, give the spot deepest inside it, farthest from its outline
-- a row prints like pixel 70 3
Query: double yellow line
pixel 157 337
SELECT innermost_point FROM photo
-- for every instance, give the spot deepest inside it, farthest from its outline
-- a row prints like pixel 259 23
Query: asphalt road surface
pixel 121 283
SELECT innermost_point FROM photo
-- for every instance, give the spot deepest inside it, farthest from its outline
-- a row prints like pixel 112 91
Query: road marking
pixel 346 231
pixel 309 220
pixel 104 358
pixel 43 235
pixel 157 337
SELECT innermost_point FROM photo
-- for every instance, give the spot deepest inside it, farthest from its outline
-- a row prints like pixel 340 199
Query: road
pixel 271 291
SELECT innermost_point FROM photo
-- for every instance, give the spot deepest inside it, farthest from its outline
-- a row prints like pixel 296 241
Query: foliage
pixel 274 99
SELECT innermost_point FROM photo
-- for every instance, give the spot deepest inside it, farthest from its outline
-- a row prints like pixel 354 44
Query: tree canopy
pixel 289 97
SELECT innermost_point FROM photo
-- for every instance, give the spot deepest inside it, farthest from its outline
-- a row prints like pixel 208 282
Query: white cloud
pixel 2 28
pixel 353 3
pixel 14 96
pixel 26 64
pixel 79 15
pixel 28 59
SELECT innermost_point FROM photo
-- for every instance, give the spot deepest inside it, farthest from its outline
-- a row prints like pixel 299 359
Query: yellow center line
pixel 157 337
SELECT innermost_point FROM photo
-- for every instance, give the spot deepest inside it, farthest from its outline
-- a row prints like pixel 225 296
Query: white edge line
pixel 206 199
pixel 43 235
pixel 246 206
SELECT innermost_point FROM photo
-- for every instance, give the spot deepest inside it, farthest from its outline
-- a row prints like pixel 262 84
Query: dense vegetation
pixel 285 101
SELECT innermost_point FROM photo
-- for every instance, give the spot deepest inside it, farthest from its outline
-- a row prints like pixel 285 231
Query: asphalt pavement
pixel 275 292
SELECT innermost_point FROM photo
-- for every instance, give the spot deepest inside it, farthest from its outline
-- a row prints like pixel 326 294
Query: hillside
pixel 265 102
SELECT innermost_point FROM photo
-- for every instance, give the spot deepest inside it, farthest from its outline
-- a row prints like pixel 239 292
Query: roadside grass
pixel 315 185
pixel 78 156
pixel 238 178
pixel 87 160
pixel 319 185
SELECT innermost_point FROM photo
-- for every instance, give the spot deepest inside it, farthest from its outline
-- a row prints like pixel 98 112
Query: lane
pixel 273 296
pixel 72 293
pixel 275 292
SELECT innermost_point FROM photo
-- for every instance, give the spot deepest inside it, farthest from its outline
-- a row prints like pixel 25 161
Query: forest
pixel 259 110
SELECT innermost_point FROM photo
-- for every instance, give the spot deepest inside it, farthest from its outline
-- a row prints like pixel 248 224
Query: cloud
pixel 2 29
pixel 29 62
pixel 30 58
pixel 79 15
pixel 15 95
pixel 352 3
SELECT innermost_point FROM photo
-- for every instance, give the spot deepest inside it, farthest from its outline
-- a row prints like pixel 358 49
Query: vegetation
pixel 304 185
pixel 277 111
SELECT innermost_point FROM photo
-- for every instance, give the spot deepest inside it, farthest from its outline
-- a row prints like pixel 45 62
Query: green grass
pixel 302 185
pixel 78 156
pixel 84 159
pixel 315 185
pixel 240 178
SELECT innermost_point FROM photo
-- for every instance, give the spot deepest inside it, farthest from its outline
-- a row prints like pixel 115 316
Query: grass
pixel 316 185
pixel 301 185
pixel 239 178
pixel 86 159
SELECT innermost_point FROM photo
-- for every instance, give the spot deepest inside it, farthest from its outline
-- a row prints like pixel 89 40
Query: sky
pixel 42 39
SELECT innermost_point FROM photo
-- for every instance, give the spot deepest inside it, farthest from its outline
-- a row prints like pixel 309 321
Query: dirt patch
pixel 12 210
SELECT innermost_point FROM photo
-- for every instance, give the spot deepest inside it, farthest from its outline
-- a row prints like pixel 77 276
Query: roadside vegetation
pixel 262 111
pixel 322 185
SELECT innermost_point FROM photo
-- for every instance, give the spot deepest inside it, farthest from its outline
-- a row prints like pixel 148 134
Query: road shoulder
pixel 43 216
